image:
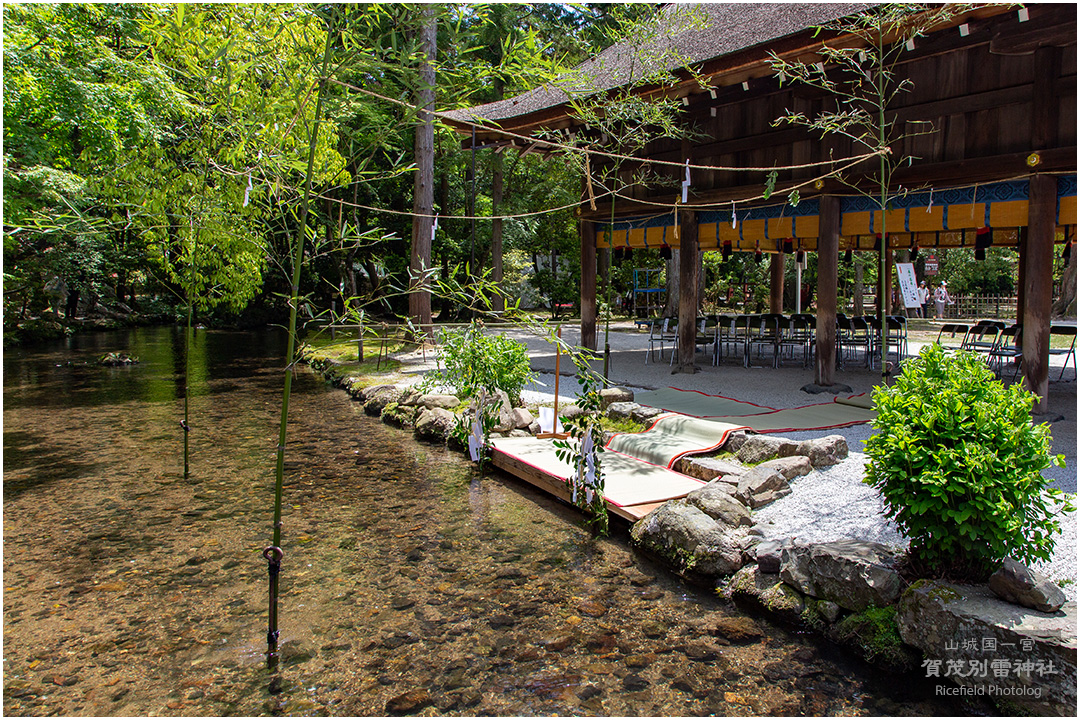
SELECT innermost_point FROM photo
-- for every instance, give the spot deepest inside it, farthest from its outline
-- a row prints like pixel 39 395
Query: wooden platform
pixel 632 488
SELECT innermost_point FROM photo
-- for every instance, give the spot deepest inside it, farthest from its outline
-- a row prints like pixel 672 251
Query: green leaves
pixel 474 361
pixel 959 465
pixel 770 185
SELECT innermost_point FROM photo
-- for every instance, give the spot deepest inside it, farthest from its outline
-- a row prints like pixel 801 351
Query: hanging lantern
pixel 1066 253
pixel 848 256
pixel 617 253
pixel 800 258
pixel 629 252
pixel 789 246
pixel 726 251
pixel 665 251
pixel 757 253
pixel 914 252
pixel 983 240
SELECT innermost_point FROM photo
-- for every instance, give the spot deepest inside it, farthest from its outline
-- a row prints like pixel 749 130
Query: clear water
pixel 411 583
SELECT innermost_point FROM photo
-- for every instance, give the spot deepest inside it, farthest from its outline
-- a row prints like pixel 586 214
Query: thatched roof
pixel 689 34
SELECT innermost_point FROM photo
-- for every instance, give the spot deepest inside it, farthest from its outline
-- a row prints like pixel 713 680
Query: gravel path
pixel 828 504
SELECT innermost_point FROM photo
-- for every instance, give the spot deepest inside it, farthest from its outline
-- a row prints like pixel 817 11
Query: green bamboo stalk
pixel 273 554
pixel 187 385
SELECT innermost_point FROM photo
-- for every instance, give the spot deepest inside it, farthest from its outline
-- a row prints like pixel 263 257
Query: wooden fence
pixel 980 306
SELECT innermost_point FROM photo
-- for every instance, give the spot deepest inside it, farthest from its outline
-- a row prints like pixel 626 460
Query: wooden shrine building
pixel 997 84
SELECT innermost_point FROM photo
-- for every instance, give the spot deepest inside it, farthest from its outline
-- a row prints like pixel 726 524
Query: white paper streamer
pixel 732 214
pixel 434 227
pixel 247 191
pixel 476 438
pixel 686 182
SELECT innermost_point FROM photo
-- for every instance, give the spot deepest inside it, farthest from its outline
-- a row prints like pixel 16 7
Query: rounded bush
pixel 959 464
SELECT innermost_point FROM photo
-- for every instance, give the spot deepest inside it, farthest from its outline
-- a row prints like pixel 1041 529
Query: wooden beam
pixel 1044 111
pixel 828 259
pixel 587 231
pixel 987 169
pixel 688 289
pixel 1039 263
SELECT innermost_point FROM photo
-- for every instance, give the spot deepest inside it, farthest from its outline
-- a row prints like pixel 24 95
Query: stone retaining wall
pixel 850 591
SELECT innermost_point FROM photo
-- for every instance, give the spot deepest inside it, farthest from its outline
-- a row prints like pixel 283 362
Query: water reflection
pixel 410 583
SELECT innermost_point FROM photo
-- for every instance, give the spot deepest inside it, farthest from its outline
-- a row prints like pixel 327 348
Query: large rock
pixel 689 540
pixel 377 397
pixel 852 573
pixel 398 415
pixel 611 395
pixel 716 501
pixel 760 486
pixel 434 424
pixel 439 400
pixel 522 418
pixel 769 553
pixel 1016 583
pixel 766 591
pixel 759 448
pixel 824 451
pixel 645 415
pixel 621 410
pixel 1011 654
pixel 709 468
pixel 789 467
pixel 736 440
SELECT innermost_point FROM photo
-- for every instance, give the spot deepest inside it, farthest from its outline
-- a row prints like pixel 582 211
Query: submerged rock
pixel 409 702
pixel 112 359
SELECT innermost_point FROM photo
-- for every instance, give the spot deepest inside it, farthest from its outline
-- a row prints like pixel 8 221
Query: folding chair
pixel 1065 330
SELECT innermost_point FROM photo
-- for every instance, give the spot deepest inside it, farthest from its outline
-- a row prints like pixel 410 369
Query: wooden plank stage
pixel 632 488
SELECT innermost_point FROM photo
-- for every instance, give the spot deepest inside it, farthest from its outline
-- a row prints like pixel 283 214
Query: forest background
pixel 155 155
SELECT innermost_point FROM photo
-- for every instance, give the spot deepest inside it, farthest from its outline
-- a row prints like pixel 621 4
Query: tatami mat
pixel 673 436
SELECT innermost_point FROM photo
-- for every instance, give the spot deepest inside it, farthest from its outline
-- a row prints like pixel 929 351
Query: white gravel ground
pixel 828 504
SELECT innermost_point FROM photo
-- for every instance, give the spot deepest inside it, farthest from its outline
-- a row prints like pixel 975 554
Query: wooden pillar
pixel 688 289
pixel 828 259
pixel 1038 283
pixel 1021 274
pixel 587 231
pixel 776 282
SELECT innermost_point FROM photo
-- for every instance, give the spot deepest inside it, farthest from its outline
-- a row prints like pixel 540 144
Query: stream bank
pixel 850 592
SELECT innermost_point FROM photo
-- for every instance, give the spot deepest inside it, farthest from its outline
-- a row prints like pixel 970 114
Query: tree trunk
pixel 424 185
pixel 1065 305
pixel 496 209
pixel 671 271
pixel 857 291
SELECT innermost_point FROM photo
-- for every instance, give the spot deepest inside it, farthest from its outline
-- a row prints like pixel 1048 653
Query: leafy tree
pixel 80 101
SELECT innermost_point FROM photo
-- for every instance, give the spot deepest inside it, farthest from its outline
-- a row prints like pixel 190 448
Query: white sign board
pixel 909 288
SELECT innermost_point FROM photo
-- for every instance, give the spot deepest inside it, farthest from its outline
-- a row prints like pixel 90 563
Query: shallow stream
pixel 411 582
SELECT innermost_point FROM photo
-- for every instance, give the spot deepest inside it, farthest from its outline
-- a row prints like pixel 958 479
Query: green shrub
pixel 471 360
pixel 959 464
